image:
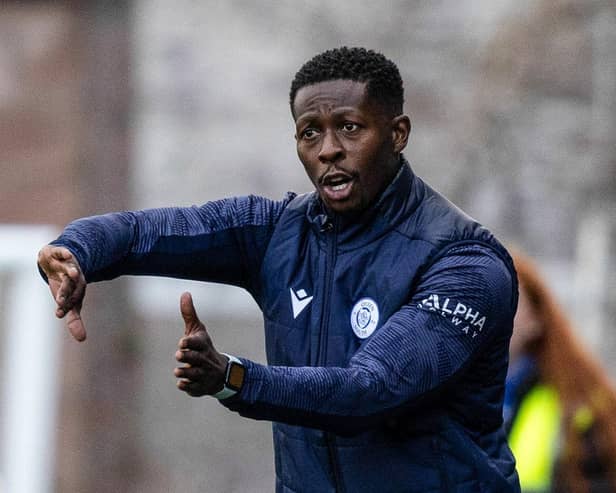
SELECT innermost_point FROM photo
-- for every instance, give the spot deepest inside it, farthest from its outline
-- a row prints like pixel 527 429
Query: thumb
pixel 75 325
pixel 192 323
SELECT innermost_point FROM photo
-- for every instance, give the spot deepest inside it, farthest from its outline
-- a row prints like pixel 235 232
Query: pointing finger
pixel 65 291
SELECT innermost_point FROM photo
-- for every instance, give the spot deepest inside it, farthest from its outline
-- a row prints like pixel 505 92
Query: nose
pixel 331 148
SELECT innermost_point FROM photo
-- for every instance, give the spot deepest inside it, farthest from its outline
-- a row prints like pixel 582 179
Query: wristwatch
pixel 234 378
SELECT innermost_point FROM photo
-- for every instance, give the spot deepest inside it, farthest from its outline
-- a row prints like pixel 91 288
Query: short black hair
pixel 384 84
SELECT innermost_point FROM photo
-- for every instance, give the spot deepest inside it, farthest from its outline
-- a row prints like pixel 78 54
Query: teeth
pixel 342 186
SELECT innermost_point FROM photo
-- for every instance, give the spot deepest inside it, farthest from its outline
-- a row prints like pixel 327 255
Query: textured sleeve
pixel 221 241
pixel 463 303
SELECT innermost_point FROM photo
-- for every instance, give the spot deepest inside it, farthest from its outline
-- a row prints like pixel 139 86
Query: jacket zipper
pixel 331 230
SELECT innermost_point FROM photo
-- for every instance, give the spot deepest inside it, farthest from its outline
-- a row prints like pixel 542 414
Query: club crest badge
pixel 364 317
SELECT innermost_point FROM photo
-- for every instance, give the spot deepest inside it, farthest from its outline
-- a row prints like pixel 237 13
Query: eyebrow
pixel 311 115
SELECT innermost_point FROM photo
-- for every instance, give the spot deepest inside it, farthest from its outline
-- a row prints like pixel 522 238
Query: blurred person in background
pixel 387 310
pixel 560 407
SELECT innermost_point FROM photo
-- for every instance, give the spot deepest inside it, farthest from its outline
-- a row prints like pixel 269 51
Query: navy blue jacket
pixel 386 336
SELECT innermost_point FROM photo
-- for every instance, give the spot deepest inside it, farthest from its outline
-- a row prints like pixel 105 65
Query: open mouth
pixel 337 186
pixel 336 179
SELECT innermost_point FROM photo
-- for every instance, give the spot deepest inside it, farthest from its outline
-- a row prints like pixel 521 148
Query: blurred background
pixel 137 104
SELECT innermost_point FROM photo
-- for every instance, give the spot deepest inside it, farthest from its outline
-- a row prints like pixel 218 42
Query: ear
pixel 401 129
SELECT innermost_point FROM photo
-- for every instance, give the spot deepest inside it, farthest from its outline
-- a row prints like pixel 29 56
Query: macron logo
pixel 299 300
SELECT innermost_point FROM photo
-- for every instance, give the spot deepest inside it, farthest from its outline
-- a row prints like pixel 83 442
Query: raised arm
pixel 221 241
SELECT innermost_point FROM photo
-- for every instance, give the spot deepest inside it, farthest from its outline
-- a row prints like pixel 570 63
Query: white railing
pixel 30 352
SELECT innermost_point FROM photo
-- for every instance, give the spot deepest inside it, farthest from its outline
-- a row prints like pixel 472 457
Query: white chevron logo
pixel 299 300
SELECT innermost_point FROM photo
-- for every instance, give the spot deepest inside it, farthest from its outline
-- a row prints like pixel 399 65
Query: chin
pixel 351 207
pixel 349 210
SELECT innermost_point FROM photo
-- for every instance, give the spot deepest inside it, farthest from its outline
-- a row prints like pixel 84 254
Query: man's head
pixel 350 130
pixel 382 78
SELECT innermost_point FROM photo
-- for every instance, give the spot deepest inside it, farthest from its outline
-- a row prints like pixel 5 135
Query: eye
pixel 309 133
pixel 350 127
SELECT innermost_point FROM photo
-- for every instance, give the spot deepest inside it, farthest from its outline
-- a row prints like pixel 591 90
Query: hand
pixel 67 284
pixel 204 372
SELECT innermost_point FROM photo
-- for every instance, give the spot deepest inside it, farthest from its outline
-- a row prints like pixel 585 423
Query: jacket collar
pixel 398 200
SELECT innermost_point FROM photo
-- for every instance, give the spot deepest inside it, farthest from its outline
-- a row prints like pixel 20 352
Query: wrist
pixel 233 378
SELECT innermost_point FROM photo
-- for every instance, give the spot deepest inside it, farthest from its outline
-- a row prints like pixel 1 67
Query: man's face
pixel 347 144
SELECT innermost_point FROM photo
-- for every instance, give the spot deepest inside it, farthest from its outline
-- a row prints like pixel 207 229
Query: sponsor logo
pixel 464 316
pixel 364 317
pixel 299 301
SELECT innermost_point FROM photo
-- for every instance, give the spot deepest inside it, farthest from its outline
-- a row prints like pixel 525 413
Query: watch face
pixel 236 376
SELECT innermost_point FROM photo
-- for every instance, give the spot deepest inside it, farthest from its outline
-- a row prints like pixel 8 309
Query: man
pixel 387 311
